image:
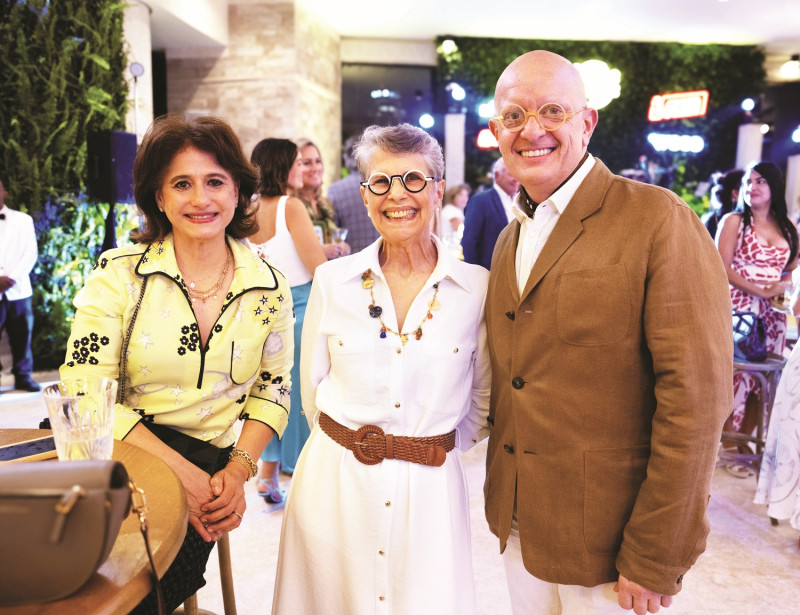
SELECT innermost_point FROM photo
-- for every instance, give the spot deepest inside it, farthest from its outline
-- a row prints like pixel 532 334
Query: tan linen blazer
pixel 611 379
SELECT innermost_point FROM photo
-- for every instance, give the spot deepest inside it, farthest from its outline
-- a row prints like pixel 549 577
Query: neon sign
pixel 678 105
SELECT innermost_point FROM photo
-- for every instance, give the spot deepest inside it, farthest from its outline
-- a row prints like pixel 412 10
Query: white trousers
pixel 531 596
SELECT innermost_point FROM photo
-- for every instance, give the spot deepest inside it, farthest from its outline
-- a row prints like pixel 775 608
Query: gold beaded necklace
pixel 375 311
pixel 211 292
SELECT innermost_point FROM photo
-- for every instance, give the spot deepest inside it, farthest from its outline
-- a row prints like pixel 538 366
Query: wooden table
pixel 124 579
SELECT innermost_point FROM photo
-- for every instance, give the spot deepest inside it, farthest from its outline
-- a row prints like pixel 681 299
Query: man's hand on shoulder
pixel 633 596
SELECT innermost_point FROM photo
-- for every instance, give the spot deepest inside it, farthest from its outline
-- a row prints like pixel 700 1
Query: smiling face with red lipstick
pixel 198 196
pixel 545 93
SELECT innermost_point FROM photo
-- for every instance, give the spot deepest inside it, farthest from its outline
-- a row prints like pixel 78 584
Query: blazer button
pixel 518 383
pixel 508 449
pixel 510 315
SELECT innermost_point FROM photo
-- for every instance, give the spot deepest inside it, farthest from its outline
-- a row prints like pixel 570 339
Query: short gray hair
pixel 400 139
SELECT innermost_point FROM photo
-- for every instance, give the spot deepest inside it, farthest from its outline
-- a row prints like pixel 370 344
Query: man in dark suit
pixel 487 214
pixel 608 317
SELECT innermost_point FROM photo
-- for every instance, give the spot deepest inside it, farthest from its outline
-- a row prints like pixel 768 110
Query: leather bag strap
pixel 139 506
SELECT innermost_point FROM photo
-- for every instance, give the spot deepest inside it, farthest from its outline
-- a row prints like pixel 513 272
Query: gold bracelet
pixel 242 457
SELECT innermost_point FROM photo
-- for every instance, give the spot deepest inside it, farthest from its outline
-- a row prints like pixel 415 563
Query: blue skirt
pixel 287 449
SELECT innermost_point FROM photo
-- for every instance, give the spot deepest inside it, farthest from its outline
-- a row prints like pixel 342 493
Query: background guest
pixel 758 244
pixel 724 196
pixel 18 254
pixel 393 342
pixel 348 207
pixel 197 329
pixel 286 239
pixel 319 208
pixel 455 200
pixel 779 477
pixel 487 213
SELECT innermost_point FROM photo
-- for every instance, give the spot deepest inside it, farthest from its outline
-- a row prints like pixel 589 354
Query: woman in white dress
pixel 394 343
pixel 779 478
pixel 455 201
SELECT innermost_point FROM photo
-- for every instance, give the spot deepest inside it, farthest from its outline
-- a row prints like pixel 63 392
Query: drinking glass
pixel 81 414
pixel 339 235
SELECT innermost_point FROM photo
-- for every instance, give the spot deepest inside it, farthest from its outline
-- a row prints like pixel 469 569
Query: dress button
pixel 508 449
pixel 380 552
pixel 381 598
pixel 399 351
pixel 397 405
pixel 388 503
pixel 517 383
pixel 510 315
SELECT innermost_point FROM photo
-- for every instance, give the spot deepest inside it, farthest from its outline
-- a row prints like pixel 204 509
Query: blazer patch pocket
pixel 593 306
pixel 612 481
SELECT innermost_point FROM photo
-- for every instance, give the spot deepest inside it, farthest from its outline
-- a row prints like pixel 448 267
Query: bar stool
pixel 768 373
pixel 226 580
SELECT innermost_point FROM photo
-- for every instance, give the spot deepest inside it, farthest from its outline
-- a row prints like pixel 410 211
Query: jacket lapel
pixel 587 199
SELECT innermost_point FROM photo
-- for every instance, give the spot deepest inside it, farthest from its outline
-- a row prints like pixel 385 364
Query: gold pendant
pixel 434 305
pixel 403 338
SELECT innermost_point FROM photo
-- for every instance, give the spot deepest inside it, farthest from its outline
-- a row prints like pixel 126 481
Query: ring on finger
pixel 238 515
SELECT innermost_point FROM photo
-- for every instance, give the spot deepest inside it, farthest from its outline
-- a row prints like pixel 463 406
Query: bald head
pixel 539 159
pixel 535 66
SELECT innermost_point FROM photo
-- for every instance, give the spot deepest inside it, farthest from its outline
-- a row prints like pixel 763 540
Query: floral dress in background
pixel 758 262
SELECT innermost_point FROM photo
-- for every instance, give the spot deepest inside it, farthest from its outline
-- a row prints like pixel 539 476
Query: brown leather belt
pixel 370 445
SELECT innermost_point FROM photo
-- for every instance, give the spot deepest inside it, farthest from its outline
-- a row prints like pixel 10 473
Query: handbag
pixel 60 522
pixel 749 337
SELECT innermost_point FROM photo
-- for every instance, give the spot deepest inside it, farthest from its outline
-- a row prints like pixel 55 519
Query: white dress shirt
pixel 536 230
pixel 507 200
pixel 18 252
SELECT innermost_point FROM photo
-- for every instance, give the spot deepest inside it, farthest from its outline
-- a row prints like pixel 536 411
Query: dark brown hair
pixel 170 134
pixel 274 159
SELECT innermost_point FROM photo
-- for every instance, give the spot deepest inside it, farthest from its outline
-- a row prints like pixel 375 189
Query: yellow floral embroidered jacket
pixel 242 372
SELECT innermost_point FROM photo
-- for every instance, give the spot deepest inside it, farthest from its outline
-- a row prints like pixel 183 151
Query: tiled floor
pixel 749 567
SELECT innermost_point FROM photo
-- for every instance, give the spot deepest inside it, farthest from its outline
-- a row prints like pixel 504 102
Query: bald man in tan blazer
pixel 609 323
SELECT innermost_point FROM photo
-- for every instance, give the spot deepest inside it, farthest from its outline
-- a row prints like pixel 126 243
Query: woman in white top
pixel 394 344
pixel 455 201
pixel 286 239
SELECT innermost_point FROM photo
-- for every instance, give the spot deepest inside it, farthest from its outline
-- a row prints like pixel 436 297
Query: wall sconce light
pixel 791 68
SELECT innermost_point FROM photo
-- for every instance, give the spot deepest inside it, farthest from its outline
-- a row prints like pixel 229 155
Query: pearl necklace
pixel 375 311
pixel 194 294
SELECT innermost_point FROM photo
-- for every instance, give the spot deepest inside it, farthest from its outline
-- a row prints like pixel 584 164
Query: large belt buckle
pixel 359 444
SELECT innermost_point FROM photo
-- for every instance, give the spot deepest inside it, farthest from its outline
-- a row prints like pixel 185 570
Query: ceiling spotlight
pixel 748 104
pixel 426 120
pixel 449 45
pixel 791 68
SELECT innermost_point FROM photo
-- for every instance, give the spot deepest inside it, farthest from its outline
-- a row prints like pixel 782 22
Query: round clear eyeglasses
pixel 413 181
pixel 550 116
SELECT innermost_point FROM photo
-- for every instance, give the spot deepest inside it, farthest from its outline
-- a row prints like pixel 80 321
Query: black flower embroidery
pixel 229 296
pixel 218 328
pixel 241 399
pixel 266 376
pixel 86 347
pixel 189 340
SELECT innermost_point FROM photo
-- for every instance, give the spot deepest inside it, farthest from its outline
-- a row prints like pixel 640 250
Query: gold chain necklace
pixel 195 294
pixel 375 311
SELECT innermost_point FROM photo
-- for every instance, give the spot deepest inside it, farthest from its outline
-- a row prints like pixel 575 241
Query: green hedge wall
pixel 61 78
